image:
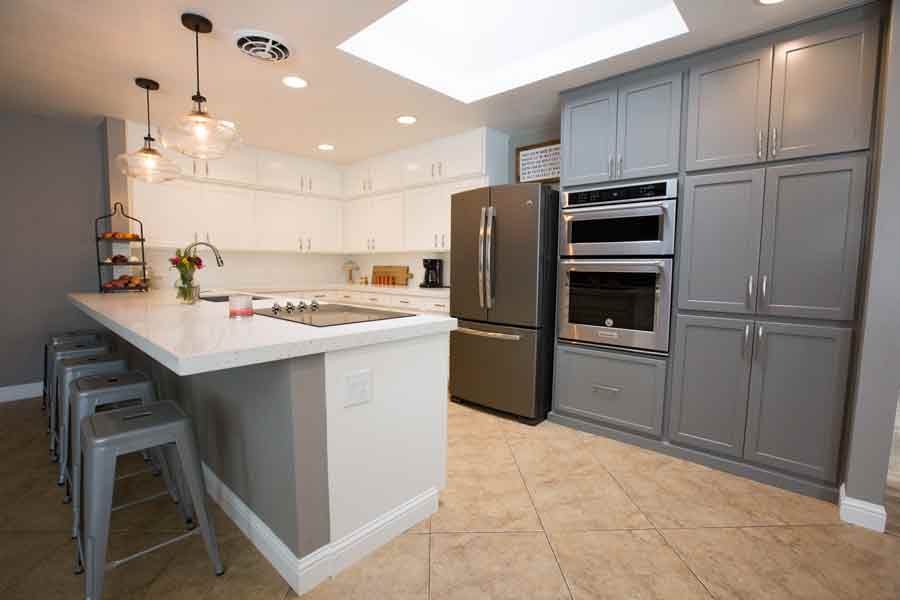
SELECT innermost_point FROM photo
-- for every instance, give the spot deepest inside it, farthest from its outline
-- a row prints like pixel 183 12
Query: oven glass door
pixel 631 229
pixel 616 302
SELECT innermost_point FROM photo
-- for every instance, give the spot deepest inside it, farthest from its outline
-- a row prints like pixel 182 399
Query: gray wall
pixel 52 177
pixel 878 378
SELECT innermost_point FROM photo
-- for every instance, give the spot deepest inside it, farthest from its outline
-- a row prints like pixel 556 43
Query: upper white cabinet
pixel 479 152
pixel 170 212
pixel 374 224
pixel 239 165
pixel 319 223
pixel 226 216
pixel 426 212
pixel 357 232
pixel 277 218
pixel 292 173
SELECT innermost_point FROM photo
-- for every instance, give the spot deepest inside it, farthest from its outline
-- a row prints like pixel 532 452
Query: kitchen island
pixel 321 443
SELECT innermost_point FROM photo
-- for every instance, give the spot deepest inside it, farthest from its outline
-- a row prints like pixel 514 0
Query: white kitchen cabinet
pixel 276 222
pixel 427 214
pixel 227 217
pixel 239 165
pixel 171 212
pixel 278 171
pixel 462 155
pixel 357 232
pixel 319 225
pixel 386 219
pixel 320 178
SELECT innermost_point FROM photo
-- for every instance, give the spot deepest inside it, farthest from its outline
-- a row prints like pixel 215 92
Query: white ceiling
pixel 80 58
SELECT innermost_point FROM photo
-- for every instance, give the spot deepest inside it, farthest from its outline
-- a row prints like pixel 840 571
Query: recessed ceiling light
pixel 292 81
pixel 769 2
pixel 326 147
pixel 472 49
pixel 406 119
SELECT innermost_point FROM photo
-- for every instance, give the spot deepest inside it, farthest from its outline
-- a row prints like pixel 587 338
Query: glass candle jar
pixel 240 306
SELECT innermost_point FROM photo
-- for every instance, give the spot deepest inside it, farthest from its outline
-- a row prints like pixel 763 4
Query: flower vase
pixel 188 293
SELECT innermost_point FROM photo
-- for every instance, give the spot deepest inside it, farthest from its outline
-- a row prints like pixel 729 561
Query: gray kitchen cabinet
pixel 710 382
pixel 812 227
pixel 623 390
pixel 823 88
pixel 649 128
pixel 798 390
pixel 588 138
pixel 728 109
pixel 721 218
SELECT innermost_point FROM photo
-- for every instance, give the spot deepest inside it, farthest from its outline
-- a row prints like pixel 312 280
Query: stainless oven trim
pixel 671 192
pixel 666 245
pixel 657 340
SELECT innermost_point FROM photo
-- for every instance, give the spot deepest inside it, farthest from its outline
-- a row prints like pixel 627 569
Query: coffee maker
pixel 434 276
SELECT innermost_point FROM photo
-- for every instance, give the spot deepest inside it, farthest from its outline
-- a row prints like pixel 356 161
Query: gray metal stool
pixel 56 355
pixel 109 434
pixel 86 396
pixel 65 337
pixel 67 371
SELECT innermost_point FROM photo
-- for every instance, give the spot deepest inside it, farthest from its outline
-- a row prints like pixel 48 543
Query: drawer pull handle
pixel 489 334
pixel 606 388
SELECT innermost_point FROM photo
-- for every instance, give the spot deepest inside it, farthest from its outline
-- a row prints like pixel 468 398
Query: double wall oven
pixel 615 274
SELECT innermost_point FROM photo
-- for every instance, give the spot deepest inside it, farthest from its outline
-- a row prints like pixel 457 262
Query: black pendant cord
pixel 198 97
pixel 149 137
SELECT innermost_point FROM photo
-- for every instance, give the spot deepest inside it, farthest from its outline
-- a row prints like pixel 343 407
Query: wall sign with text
pixel 538 162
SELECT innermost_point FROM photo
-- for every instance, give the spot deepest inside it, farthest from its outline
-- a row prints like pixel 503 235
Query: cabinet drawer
pixel 406 303
pixel 622 390
pixel 436 305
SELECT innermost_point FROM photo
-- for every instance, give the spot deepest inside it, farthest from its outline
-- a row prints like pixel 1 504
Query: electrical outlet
pixel 359 388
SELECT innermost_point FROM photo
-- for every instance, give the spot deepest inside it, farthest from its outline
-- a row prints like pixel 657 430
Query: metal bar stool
pixel 109 434
pixel 56 355
pixel 65 337
pixel 93 392
pixel 67 371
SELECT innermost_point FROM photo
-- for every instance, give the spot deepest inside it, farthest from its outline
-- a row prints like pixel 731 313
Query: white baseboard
pixel 21 392
pixel 303 574
pixel 862 513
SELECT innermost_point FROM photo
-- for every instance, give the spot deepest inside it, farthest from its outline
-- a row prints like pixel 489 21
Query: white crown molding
pixel 862 513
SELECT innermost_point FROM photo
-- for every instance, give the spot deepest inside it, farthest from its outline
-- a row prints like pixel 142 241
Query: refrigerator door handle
pixel 509 337
pixel 481 257
pixel 489 251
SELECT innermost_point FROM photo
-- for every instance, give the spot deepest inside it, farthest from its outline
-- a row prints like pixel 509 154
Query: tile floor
pixel 529 513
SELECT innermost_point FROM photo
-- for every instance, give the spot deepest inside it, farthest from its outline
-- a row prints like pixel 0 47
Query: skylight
pixel 473 49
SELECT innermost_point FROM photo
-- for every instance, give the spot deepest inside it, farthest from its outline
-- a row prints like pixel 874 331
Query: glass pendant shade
pixel 199 135
pixel 147 164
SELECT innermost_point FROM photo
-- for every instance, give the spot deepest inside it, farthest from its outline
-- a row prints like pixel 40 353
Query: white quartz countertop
pixel 201 338
pixel 397 290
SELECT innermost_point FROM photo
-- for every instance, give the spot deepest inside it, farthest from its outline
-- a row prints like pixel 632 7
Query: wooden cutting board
pixel 390 275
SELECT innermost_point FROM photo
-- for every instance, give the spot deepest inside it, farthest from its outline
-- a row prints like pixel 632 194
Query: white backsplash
pixel 271 269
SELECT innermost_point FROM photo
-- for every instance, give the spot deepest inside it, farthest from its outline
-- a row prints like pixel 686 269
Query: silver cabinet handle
pixel 749 299
pixel 764 289
pixel 481 257
pixel 489 251
pixel 760 336
pixel 432 170
pixel 435 241
pixel 489 334
pixel 620 166
pixel 744 346
pixel 301 183
pixel 440 169
pixel 373 243
pixel 774 142
pixel 194 162
pixel 206 166
pixel 759 146
pixel 443 240
pixel 612 175
pixel 605 388
pixel 310 184
pixel 308 244
pixel 300 243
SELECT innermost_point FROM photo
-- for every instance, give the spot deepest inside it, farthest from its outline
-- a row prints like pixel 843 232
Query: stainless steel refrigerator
pixel 503 292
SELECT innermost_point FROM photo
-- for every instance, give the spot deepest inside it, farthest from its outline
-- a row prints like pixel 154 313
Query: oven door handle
pixel 642 209
pixel 640 265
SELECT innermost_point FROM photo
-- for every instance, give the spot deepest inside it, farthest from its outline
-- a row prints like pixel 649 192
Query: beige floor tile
pixel 553 457
pixel 479 455
pixel 397 571
pixel 505 566
pixel 815 563
pixel 582 503
pixel 423 526
pixel 619 456
pixel 464 422
pixel 892 505
pixel 473 502
pixel 624 564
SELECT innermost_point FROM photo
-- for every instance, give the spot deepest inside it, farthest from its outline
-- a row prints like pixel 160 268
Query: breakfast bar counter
pixel 321 443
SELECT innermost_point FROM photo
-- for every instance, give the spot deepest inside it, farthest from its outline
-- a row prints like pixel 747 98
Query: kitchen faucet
pixel 215 250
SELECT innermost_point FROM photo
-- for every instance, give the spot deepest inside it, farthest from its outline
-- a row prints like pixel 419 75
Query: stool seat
pixel 114 426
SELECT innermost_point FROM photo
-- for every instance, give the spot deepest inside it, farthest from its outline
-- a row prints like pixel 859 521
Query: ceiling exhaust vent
pixel 262 45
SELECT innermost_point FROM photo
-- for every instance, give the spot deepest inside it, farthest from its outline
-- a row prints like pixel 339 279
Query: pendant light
pixel 197 134
pixel 147 164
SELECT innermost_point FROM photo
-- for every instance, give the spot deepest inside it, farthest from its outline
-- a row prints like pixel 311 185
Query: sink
pixel 224 298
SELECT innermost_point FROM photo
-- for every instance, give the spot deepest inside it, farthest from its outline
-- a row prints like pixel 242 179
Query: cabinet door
pixel 321 224
pixel 386 172
pixel 277 221
pixel 623 390
pixel 721 217
pixel 169 211
pixel 238 166
pixel 710 383
pixel 728 110
pixel 461 155
pixel 357 230
pixel 649 128
pixel 278 171
pixel 387 223
pixel 422 215
pixel 228 217
pixel 812 227
pixel 823 88
pixel 589 138
pixel 798 390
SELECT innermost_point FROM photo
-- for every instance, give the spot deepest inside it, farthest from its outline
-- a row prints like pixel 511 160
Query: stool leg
pixel 185 504
pixel 44 386
pixel 159 460
pixel 63 452
pixel 193 473
pixel 99 477
pixel 53 395
pixel 79 411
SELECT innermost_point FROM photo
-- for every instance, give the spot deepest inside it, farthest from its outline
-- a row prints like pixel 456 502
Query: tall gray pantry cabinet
pixel 771 224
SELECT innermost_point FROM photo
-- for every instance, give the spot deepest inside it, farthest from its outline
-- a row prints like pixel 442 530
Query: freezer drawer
pixel 622 390
pixel 496 367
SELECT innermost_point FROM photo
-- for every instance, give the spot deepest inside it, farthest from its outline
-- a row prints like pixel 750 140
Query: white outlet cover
pixel 359 388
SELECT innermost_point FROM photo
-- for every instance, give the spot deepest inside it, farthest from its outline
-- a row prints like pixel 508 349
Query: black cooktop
pixel 329 315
